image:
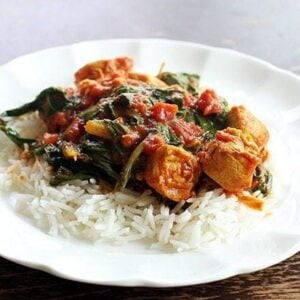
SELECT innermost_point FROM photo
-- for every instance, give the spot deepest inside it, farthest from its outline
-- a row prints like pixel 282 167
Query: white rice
pixel 77 209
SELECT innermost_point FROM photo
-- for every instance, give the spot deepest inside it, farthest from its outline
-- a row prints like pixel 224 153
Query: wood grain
pixel 281 281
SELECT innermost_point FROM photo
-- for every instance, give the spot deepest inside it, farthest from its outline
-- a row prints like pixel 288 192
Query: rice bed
pixel 78 208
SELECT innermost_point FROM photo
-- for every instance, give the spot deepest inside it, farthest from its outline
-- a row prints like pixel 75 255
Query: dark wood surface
pixel 281 281
pixel 268 29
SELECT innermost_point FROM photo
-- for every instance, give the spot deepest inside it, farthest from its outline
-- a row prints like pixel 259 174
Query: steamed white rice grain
pixel 78 209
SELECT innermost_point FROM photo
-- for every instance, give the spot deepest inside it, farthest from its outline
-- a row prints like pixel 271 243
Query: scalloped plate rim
pixel 144 281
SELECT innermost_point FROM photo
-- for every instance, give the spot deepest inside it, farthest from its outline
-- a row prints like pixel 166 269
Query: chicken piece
pixel 92 88
pixel 239 117
pixel 98 70
pixel 172 172
pixel 231 159
pixel 149 79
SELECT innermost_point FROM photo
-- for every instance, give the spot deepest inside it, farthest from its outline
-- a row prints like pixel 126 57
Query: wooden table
pixel 278 282
pixel 269 29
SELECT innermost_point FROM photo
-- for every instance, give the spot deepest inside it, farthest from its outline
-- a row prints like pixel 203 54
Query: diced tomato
pixel 187 99
pixel 209 103
pixel 188 131
pixel 139 106
pixel 57 122
pixel 50 138
pixel 74 130
pixel 60 118
pixel 130 139
pixel 142 130
pixel 152 143
pixel 164 111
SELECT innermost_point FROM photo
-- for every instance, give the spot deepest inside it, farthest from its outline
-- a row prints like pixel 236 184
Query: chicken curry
pixel 138 131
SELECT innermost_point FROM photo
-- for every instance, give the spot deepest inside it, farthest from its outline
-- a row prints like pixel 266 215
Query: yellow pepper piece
pixel 97 128
pixel 70 152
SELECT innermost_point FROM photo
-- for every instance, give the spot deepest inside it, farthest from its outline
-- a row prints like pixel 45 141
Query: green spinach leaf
pixel 169 136
pixel 124 100
pixel 15 137
pixel 186 114
pixel 169 96
pixel 116 129
pixel 221 119
pixel 207 125
pixel 264 180
pixel 127 170
pixel 125 89
pixel 47 102
pixel 90 113
pixel 64 174
pixel 189 82
pixel 100 156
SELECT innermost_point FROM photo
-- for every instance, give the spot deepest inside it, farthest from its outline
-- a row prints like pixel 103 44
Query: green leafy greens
pixel 169 136
pixel 15 137
pixel 127 169
pixel 189 82
pixel 47 102
pixel 100 155
pixel 169 96
pixel 264 180
pixel 64 174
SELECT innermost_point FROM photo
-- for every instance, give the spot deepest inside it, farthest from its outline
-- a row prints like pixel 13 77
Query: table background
pixel 268 29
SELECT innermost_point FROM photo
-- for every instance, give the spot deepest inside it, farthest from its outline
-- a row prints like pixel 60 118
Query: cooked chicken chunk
pixel 239 117
pixel 172 172
pixel 231 159
pixel 101 69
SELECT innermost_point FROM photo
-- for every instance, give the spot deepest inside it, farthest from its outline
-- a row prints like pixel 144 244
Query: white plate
pixel 272 93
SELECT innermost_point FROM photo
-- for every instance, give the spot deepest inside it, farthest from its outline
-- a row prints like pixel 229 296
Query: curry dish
pixel 138 131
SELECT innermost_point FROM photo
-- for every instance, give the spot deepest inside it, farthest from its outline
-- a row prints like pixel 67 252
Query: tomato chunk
pixel 60 118
pixel 209 103
pixel 152 143
pixel 139 106
pixel 189 100
pixel 50 138
pixel 164 111
pixel 130 139
pixel 74 130
pixel 188 131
